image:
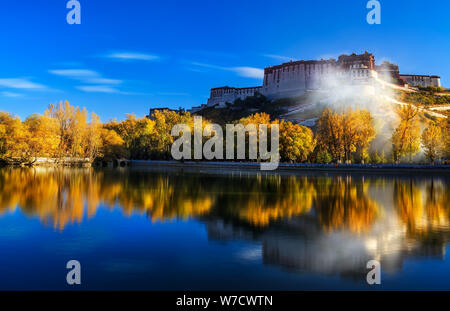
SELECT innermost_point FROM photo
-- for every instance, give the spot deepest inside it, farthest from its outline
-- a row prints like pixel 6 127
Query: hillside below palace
pixel 296 77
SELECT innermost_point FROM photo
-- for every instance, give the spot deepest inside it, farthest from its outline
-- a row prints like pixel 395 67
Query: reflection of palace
pixel 301 244
pixel 345 229
pixel 330 225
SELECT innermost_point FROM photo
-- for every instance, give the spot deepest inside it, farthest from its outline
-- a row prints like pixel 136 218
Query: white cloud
pixel 208 66
pixel 244 71
pixel 21 84
pixel 11 94
pixel 249 72
pixel 133 56
pixel 85 75
pixel 77 74
pixel 98 89
pixel 103 81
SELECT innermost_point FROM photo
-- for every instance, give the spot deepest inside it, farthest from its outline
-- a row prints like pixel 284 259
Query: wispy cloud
pixel 77 74
pixel 98 89
pixel 244 71
pixel 11 94
pixel 204 65
pixel 85 76
pixel 129 56
pixel 96 82
pixel 249 72
pixel 103 81
pixel 278 57
pixel 24 84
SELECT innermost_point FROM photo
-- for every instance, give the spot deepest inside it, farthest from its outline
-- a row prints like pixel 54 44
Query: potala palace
pixel 296 77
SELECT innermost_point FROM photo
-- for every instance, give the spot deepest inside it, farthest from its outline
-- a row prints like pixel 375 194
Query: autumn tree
pixel 148 138
pixel 330 134
pixel 406 137
pixel 323 156
pixel 164 121
pixel 296 142
pixel 366 133
pixel 77 136
pixel 345 134
pixel 136 134
pixel 93 137
pixel 112 145
pixel 62 131
pixel 432 142
pixel 445 130
pixel 42 135
pixel 13 140
pixel 64 115
pixel 252 135
pixel 78 133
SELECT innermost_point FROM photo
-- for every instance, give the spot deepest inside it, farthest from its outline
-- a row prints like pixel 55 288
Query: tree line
pixel 340 137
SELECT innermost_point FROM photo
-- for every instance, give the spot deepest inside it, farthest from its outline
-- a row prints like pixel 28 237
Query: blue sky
pixel 129 56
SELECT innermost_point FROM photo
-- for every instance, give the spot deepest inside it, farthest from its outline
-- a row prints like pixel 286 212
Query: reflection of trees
pixel 423 207
pixel 343 203
pixel 160 196
pixel 263 199
pixel 61 195
pixel 56 195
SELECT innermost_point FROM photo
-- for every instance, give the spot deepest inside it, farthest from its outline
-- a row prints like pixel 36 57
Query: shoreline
pixel 299 167
pixel 253 166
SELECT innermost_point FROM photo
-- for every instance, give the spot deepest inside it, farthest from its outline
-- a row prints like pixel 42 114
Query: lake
pixel 174 229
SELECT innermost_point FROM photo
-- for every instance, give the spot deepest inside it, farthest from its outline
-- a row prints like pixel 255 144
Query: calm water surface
pixel 160 229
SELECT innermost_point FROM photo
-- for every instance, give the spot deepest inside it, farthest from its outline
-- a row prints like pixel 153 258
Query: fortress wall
pixel 221 96
pixel 421 80
pixel 296 77
pixel 293 79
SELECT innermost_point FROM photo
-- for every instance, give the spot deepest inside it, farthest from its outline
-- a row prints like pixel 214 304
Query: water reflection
pixel 323 224
pixel 344 204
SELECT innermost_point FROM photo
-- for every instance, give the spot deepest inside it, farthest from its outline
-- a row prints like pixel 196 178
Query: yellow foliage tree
pixel 296 142
pixel 432 141
pixel 330 134
pixel 346 133
pixel 13 139
pixel 164 121
pixel 42 133
pixel 406 137
pixel 445 129
pixel 63 114
pixel 112 145
pixel 93 137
